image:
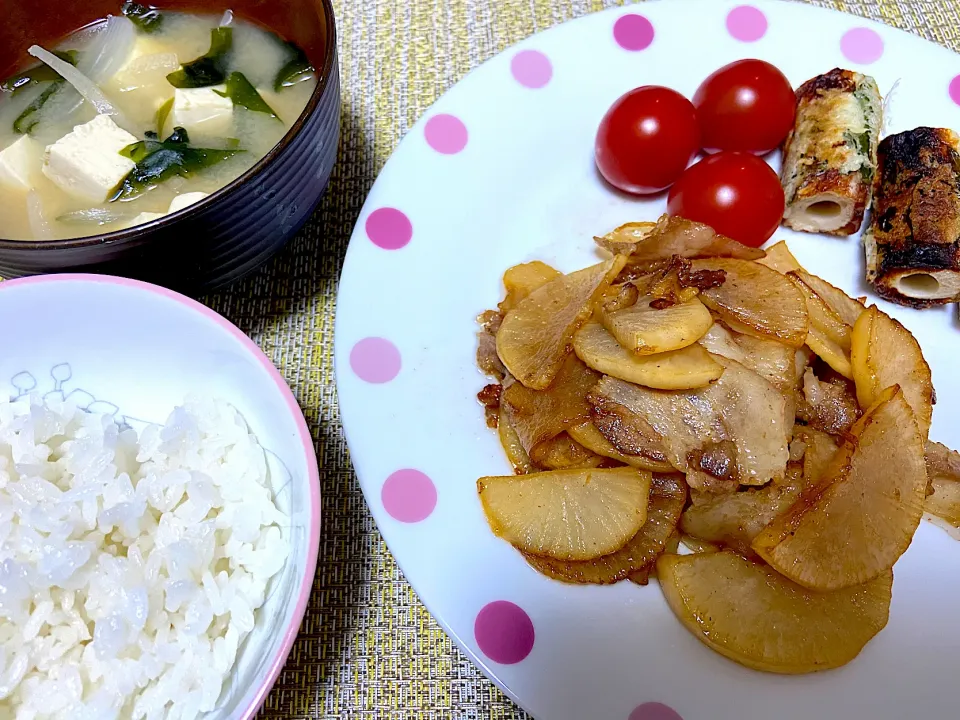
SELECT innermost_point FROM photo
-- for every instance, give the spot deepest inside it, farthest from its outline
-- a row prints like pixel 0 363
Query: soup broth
pixel 187 103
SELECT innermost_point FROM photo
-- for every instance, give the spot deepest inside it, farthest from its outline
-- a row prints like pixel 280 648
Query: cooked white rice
pixel 130 568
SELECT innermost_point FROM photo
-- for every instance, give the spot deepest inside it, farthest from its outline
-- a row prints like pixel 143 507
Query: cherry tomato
pixel 646 139
pixel 747 105
pixel 737 194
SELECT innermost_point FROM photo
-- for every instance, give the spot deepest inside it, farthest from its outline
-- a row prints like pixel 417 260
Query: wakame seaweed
pixel 147 19
pixel 163 112
pixel 295 70
pixel 158 161
pixel 36 75
pixel 30 117
pixel 241 92
pixel 210 69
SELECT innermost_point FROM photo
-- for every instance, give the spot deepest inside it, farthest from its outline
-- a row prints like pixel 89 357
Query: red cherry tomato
pixel 737 194
pixel 747 105
pixel 646 139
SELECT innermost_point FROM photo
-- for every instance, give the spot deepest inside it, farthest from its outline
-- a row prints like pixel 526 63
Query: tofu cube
pixel 87 162
pixel 185 200
pixel 143 46
pixel 17 163
pixel 202 112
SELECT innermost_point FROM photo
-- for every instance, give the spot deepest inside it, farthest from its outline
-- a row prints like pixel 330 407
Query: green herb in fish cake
pixel 859 141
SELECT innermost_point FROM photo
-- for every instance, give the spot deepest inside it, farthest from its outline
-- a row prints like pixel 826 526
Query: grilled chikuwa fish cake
pixel 830 156
pixel 911 243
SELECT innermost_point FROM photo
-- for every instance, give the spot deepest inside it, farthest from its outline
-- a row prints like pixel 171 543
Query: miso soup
pixel 139 116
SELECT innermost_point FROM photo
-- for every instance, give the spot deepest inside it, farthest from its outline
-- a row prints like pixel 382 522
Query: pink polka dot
pixel 504 632
pixel 861 45
pixel 446 134
pixel 654 711
pixel 375 360
pixel 747 23
pixel 409 496
pixel 531 68
pixel 955 89
pixel 389 228
pixel 633 32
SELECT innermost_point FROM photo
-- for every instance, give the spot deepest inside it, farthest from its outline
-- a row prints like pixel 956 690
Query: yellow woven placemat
pixel 368 649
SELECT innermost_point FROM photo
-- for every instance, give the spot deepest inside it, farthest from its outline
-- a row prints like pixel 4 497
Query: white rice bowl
pixel 131 568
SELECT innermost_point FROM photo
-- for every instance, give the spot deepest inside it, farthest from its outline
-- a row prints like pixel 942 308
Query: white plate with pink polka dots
pixel 500 171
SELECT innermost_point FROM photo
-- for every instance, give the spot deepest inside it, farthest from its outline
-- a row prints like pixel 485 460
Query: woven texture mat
pixel 367 648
